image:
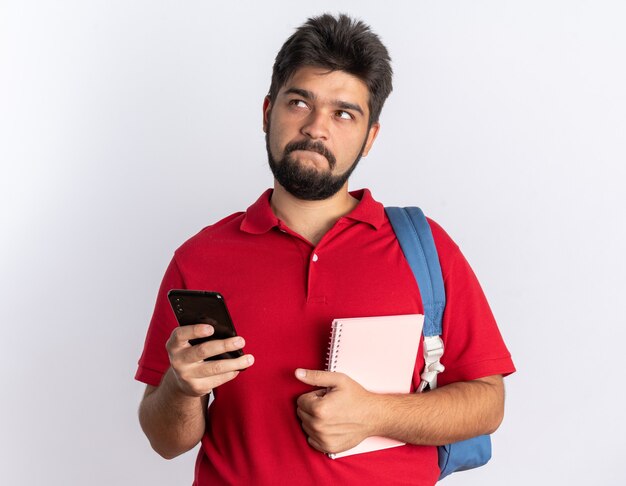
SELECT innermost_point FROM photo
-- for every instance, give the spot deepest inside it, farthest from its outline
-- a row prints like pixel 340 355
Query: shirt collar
pixel 368 210
pixel 260 218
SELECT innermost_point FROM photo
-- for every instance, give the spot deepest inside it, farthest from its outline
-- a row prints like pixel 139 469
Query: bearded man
pixel 308 251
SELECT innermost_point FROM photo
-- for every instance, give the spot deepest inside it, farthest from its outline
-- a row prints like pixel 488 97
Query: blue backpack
pixel 416 240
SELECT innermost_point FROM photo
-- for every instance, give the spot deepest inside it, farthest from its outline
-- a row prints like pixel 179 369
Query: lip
pixel 311 154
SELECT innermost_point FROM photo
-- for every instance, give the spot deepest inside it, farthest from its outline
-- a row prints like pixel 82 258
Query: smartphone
pixel 202 307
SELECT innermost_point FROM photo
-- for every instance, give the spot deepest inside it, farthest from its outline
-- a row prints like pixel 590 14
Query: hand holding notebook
pixel 379 354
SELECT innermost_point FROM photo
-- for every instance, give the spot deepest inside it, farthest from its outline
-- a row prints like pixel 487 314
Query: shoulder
pixel 226 229
pixel 448 251
pixel 444 243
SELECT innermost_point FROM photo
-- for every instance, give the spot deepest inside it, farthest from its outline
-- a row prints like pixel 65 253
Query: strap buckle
pixel 433 351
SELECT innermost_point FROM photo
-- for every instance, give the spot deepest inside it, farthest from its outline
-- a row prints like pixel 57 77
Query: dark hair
pixel 339 44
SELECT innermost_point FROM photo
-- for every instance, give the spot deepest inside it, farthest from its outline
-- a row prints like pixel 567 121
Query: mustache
pixel 318 147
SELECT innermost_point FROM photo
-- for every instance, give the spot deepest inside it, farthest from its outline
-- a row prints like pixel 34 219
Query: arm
pixel 173 415
pixel 173 422
pixel 342 415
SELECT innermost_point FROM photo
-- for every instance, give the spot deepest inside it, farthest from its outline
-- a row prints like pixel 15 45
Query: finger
pixel 315 444
pixel 308 429
pixel 308 423
pixel 307 401
pixel 219 380
pixel 202 386
pixel 224 366
pixel 215 347
pixel 181 335
pixel 304 402
pixel 319 378
pixel 202 377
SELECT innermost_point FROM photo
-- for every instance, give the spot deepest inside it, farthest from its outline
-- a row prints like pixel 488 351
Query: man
pixel 306 252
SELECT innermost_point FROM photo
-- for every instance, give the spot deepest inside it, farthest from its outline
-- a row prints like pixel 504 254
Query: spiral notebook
pixel 379 353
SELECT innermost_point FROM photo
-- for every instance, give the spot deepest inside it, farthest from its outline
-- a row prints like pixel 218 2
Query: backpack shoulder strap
pixel 416 240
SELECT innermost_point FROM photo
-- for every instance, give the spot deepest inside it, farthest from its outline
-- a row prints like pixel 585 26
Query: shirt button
pixel 315 257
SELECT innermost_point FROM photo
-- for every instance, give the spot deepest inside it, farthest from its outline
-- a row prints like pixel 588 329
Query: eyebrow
pixel 308 95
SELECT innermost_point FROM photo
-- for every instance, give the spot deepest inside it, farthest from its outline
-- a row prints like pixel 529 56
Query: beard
pixel 307 183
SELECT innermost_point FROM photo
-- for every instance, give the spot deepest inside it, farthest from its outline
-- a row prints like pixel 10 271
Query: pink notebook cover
pixel 379 353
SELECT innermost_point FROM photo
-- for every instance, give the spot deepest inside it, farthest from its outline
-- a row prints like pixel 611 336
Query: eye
pixel 344 115
pixel 298 103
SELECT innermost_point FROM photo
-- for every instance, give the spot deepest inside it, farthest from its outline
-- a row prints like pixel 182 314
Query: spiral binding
pixel 333 347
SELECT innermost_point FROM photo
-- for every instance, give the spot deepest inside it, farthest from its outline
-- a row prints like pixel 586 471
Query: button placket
pixel 313 297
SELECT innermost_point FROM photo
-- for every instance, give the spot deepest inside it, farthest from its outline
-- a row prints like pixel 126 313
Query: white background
pixel 125 127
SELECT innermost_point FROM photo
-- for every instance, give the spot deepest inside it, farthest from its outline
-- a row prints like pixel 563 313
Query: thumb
pixel 319 378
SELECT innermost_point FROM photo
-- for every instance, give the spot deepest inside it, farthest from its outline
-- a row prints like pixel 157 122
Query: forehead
pixel 329 85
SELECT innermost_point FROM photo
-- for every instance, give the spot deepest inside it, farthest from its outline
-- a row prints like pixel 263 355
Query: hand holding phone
pixel 194 376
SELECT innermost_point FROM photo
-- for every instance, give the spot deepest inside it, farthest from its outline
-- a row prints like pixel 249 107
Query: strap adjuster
pixel 433 351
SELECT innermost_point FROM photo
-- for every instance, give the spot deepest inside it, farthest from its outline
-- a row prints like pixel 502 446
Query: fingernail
pixel 250 359
pixel 239 341
pixel 300 373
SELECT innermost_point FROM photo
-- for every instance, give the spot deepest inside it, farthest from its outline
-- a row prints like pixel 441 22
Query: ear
pixel 267 108
pixel 371 136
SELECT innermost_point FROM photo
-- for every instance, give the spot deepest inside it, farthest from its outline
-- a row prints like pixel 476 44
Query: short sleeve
pixel 154 360
pixel 473 344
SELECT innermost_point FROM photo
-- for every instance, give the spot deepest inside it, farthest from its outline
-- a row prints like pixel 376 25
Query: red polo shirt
pixel 283 293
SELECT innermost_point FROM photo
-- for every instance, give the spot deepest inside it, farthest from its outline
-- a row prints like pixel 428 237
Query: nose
pixel 316 126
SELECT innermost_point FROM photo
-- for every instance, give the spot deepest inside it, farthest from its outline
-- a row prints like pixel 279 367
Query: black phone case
pixel 203 307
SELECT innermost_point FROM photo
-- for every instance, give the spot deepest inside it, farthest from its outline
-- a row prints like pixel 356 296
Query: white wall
pixel 125 127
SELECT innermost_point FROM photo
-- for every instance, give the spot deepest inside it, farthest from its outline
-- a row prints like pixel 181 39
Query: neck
pixel 311 219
